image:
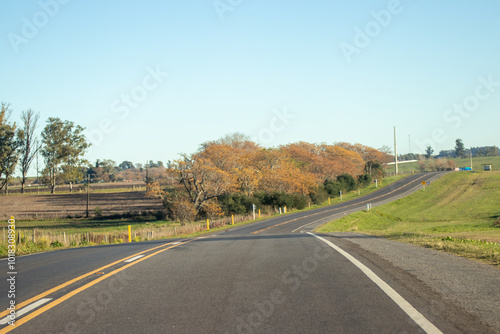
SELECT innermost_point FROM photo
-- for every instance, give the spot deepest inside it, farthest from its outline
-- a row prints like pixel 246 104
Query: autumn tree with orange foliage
pixel 325 161
pixel 234 164
pixel 281 174
pixel 201 180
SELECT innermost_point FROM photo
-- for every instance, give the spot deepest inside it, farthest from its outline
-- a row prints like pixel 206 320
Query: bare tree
pixel 29 143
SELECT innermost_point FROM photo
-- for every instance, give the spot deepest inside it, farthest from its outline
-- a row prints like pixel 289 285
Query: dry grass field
pixel 33 207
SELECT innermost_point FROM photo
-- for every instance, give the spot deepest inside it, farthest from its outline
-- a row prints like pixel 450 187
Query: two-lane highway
pixel 273 276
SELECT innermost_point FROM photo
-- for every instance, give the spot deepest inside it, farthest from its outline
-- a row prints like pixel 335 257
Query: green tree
pixel 459 149
pixel 428 152
pixel 126 165
pixel 9 144
pixel 63 148
pixel 105 170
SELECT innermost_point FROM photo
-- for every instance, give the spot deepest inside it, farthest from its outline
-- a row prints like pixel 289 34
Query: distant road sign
pixel 424 183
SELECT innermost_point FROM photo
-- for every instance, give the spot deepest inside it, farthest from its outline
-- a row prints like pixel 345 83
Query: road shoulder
pixel 463 284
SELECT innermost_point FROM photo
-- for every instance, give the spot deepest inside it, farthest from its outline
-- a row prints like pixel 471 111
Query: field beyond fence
pixel 74 205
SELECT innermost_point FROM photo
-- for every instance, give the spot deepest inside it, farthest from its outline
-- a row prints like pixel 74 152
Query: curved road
pixel 272 276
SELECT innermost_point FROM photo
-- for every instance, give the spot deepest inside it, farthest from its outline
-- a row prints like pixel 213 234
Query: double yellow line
pixel 58 301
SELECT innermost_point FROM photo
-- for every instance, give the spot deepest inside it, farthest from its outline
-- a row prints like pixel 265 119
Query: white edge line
pixel 133 259
pixel 26 309
pixel 416 316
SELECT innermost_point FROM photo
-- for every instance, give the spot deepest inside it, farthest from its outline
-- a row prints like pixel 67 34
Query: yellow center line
pixel 58 301
pixel 326 211
pixel 59 287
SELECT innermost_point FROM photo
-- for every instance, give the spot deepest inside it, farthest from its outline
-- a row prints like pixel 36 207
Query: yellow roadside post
pixel 232 219
pixel 208 224
pixel 129 234
pixel 328 200
pixel 259 213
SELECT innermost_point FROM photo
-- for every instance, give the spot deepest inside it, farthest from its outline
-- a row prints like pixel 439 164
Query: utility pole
pixel 395 151
pixel 409 144
pixel 88 186
pixel 470 153
pixel 37 180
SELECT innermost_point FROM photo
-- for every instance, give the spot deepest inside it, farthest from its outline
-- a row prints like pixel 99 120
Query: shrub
pixel 278 199
pixel 332 187
pixel 344 182
pixel 42 243
pixel 347 182
pixel 239 204
pixel 180 209
pixel 318 195
pixel 364 180
pixel 299 201
pixel 160 215
pixel 98 211
pixel 56 244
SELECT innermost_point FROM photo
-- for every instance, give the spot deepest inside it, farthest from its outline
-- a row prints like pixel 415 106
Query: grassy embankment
pixel 458 214
pixel 477 163
pixel 43 235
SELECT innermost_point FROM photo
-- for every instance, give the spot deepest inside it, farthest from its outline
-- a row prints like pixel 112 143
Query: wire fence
pixel 32 239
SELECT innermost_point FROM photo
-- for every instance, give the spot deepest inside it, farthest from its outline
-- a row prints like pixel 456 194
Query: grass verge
pixel 457 214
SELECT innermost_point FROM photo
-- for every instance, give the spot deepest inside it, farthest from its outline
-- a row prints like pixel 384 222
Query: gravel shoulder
pixel 473 286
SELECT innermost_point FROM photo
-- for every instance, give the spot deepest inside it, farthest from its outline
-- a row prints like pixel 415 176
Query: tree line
pixel 62 147
pixel 458 152
pixel 230 174
pixel 224 176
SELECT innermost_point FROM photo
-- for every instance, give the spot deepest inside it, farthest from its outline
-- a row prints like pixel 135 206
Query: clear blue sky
pixel 338 70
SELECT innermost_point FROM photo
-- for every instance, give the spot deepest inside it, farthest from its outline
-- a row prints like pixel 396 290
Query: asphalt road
pixel 272 276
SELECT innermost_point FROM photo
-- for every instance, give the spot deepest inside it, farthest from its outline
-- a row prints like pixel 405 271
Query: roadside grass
pixel 477 163
pixel 43 235
pixel 457 213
